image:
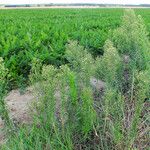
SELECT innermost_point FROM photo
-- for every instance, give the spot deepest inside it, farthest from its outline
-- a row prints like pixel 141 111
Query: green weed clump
pixel 108 66
pixel 123 105
pixel 3 86
pixel 132 39
pixel 63 113
pixel 80 61
pixel 3 74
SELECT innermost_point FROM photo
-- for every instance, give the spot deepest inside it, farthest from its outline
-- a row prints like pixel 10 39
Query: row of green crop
pixel 42 34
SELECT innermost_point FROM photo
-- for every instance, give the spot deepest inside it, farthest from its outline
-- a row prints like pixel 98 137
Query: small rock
pixel 99 85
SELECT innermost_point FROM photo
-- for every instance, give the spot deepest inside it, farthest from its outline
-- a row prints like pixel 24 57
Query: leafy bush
pixel 43 34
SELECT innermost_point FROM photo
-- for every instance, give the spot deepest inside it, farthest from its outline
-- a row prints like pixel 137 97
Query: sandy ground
pixel 18 109
pixel 18 106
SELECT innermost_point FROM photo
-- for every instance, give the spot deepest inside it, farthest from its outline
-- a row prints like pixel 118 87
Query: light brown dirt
pixel 18 105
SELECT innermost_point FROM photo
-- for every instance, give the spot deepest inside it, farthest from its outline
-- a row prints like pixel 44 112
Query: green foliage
pixel 73 88
pixel 132 39
pixel 114 114
pixel 35 70
pixel 3 82
pixel 80 61
pixel 108 66
pixel 64 109
pixel 127 65
pixel 3 74
pixel 43 34
pixel 69 114
pixel 142 88
pixel 87 113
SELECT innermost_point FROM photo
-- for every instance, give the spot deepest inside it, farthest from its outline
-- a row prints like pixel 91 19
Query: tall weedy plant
pixel 131 39
pixel 109 69
pixel 80 61
pixel 127 67
pixel 64 108
pixel 108 66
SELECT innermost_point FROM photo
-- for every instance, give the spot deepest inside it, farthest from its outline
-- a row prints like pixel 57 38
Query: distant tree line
pixel 78 4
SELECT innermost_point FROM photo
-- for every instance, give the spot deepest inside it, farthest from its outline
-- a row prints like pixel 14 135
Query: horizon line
pixel 75 3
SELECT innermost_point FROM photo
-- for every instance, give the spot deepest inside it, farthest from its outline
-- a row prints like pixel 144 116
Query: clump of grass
pixel 3 86
pixel 87 113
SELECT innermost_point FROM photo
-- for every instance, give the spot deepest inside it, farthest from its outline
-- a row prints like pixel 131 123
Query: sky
pixel 74 1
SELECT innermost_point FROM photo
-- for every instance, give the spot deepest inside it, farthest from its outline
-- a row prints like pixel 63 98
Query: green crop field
pixel 25 34
pixel 85 73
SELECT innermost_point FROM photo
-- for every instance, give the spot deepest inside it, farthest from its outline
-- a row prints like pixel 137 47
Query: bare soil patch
pixel 18 109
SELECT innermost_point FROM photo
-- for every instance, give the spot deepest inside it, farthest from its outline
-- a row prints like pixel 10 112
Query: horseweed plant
pixel 132 39
pixel 123 105
pixel 80 61
pixel 107 66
